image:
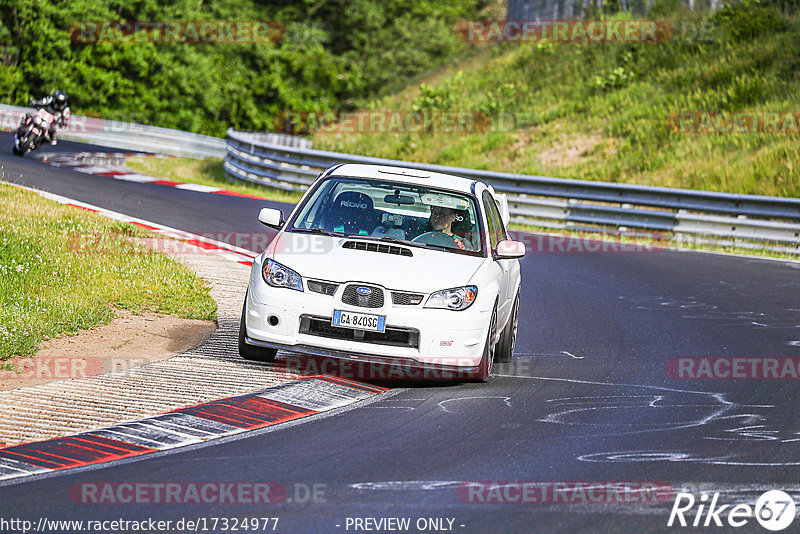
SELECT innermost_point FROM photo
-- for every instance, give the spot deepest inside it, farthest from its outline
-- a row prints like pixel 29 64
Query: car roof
pixel 405 175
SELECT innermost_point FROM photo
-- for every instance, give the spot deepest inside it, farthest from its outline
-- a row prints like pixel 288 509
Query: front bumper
pixel 364 366
pixel 441 339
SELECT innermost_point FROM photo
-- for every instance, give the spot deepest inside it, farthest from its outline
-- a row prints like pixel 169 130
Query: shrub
pixel 747 19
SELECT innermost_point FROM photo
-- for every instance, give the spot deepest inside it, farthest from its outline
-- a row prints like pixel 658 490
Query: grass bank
pixel 63 270
pixel 611 111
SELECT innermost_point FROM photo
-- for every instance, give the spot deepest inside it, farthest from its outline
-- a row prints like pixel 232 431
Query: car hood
pixel 325 258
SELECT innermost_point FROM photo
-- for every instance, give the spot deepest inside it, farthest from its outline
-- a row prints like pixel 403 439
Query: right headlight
pixel 457 298
pixel 278 275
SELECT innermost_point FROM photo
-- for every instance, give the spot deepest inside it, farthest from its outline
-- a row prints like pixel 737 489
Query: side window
pixel 501 228
pixel 492 220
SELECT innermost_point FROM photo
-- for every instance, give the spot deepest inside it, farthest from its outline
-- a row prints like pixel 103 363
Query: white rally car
pixel 388 265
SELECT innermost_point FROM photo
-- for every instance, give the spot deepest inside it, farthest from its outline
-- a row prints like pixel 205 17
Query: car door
pixel 497 233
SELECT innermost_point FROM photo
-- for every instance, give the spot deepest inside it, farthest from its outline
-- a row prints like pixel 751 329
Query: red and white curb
pixel 76 161
pixel 186 426
pixel 231 252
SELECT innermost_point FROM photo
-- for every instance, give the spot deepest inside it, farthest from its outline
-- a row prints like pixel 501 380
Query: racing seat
pixel 352 213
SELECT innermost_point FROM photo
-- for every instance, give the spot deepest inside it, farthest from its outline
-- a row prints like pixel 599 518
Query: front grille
pixel 353 298
pixel 326 288
pixel 393 336
pixel 377 247
pixel 400 298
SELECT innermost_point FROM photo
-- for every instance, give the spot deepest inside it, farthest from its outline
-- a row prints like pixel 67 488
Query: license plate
pixel 359 321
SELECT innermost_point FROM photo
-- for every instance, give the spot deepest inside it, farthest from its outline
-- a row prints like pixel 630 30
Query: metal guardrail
pixel 126 135
pixel 747 221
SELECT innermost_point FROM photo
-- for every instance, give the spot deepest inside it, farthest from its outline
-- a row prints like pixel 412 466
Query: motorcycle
pixel 32 131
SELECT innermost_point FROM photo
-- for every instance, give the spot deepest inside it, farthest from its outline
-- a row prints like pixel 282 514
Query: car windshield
pixel 392 211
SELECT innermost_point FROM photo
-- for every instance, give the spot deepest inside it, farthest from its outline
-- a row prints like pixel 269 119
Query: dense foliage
pixel 613 111
pixel 333 53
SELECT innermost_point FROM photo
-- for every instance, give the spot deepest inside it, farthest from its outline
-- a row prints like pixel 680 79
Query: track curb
pixel 191 425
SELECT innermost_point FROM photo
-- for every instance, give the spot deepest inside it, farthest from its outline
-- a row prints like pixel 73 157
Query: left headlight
pixel 278 275
pixel 457 298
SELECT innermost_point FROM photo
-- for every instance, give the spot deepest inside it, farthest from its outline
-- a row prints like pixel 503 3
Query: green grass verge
pixel 63 270
pixel 208 171
pixel 607 111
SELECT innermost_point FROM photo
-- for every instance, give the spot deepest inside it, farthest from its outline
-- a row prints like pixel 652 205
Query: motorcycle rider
pixel 56 104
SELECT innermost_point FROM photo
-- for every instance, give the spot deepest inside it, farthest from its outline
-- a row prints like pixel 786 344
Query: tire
pixel 251 352
pixel 504 353
pixel 15 151
pixel 487 361
pixel 27 146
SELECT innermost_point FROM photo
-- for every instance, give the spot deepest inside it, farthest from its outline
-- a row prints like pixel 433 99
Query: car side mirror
pixel 271 217
pixel 508 249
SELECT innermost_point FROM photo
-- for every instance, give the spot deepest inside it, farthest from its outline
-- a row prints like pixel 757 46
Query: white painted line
pixel 192 425
pixel 312 394
pixel 133 177
pixel 12 468
pixel 197 187
pixel 91 170
pixel 169 438
pixel 120 434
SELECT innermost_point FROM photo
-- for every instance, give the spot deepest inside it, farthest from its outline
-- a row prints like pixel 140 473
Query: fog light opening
pixel 273 320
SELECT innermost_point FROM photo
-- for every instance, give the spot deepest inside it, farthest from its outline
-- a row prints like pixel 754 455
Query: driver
pixel 442 220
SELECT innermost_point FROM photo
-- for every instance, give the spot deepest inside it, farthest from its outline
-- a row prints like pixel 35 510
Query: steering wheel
pixel 436 238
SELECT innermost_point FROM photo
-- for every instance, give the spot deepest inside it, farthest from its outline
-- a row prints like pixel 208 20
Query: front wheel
pixel 29 144
pixel 26 144
pixel 251 352
pixel 508 339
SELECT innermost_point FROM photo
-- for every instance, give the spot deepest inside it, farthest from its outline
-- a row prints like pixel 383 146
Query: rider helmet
pixel 59 100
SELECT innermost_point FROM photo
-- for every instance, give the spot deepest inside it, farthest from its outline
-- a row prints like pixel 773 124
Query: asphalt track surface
pixel 588 399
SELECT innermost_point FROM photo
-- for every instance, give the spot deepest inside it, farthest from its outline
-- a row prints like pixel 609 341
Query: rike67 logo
pixel 774 510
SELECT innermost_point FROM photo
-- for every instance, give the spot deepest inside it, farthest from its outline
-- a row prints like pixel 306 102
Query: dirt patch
pixel 566 152
pixel 129 340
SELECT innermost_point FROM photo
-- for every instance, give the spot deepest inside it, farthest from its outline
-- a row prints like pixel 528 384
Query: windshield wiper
pixel 319 231
pixel 391 239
